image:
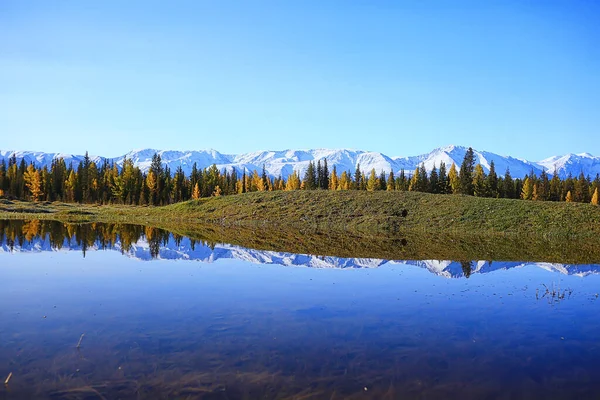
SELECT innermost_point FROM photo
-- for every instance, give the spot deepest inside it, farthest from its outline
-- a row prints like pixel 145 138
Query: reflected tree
pixel 467 267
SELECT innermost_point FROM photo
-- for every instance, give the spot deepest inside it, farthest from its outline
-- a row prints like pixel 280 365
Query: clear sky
pixel 518 78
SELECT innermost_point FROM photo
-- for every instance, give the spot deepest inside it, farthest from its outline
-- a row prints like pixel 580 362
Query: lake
pixel 166 316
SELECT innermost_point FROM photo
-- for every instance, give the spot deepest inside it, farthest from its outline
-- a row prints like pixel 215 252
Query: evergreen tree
pixel 178 185
pixel 319 175
pixel 357 177
pixel 466 172
pixel 543 187
pixel 3 179
pixel 310 177
pixel 325 181
pixel 568 186
pixel 492 181
pixel 434 181
pixel 509 185
pixel 444 184
pixel 156 175
pixel 581 189
pixel 423 179
pixel 402 183
pixel 84 181
pixel 555 187
pixel 244 180
pixel 265 178
pixel 479 182
pixel 382 182
pixel 501 187
pixel 518 188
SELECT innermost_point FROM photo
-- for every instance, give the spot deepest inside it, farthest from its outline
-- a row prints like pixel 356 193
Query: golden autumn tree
pixel 569 198
pixel 595 197
pixel 453 178
pixel 391 182
pixel 415 182
pixel 196 192
pixel 293 182
pixel 151 184
pixel 239 186
pixel 373 182
pixel 33 181
pixel 333 179
pixel 257 183
pixel 527 191
pixel 345 182
pixel 31 229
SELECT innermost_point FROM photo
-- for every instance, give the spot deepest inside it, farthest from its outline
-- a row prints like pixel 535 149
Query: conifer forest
pixel 127 184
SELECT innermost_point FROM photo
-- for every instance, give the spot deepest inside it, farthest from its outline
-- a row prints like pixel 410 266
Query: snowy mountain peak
pixel 285 162
pixel 185 250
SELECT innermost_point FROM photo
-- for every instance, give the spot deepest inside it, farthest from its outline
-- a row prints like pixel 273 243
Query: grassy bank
pixel 361 224
pixel 364 212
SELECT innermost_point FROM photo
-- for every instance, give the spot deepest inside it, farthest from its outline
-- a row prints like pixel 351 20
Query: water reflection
pixel 147 243
pixel 239 326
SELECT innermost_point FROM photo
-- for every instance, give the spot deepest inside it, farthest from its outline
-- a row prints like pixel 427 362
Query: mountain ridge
pixel 184 250
pixel 284 162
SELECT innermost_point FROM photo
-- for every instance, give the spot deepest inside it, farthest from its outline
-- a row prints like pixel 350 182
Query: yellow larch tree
pixel 527 191
pixel 196 192
pixel 569 198
pixel 453 178
pixel 344 182
pixel 33 181
pixel 333 180
pixel 373 182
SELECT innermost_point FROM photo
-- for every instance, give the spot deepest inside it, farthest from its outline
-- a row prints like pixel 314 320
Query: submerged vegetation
pixel 406 245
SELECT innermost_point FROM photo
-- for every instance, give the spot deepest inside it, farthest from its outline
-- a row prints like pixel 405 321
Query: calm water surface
pixel 166 317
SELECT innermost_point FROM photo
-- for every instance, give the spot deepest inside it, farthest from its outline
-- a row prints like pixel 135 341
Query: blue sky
pixel 518 78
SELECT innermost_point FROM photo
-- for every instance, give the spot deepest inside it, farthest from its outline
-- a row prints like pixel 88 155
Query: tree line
pixel 108 183
pixel 85 236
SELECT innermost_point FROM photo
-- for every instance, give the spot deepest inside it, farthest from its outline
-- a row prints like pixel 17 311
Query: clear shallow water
pixel 166 319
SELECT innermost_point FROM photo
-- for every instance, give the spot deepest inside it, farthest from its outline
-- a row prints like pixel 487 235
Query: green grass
pixel 377 211
pixel 368 212
pixel 362 224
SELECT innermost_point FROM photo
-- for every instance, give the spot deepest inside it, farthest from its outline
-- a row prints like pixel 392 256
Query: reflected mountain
pixel 147 243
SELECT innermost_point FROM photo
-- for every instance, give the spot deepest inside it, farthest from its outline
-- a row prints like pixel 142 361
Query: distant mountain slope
pixel 572 164
pixel 284 162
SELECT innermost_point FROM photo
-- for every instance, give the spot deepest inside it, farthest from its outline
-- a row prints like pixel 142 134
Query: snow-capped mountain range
pixel 286 161
pixel 183 250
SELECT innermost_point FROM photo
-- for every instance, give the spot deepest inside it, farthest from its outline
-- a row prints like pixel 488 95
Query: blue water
pixel 229 328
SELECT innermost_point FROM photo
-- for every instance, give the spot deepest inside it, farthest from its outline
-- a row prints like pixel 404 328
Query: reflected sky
pixel 238 328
